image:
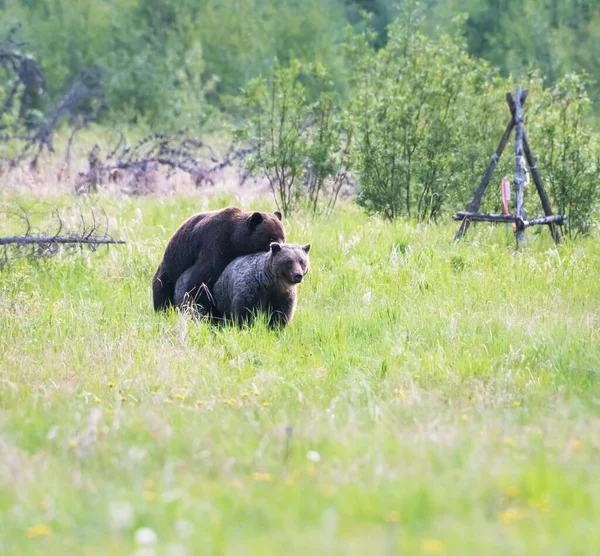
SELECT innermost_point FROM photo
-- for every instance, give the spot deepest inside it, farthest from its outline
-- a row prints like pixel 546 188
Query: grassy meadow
pixel 427 398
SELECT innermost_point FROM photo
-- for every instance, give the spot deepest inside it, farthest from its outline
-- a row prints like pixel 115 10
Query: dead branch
pixel 135 167
pixel 75 228
pixel 28 75
pixel 80 104
pixel 28 240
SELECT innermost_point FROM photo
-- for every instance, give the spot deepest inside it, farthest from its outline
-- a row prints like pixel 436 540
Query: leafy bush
pixel 569 153
pixel 298 146
pixel 274 129
pixel 327 160
pixel 414 110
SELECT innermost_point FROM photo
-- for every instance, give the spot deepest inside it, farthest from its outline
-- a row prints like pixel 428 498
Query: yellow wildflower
pixel 72 443
pixel 464 417
pixel 180 397
pixel 153 393
pixel 149 495
pixel 510 515
pixel 267 404
pixel 540 505
pixel 244 394
pixel 513 491
pixel 517 403
pixel 38 531
pixel 432 546
pixel 258 476
pixel 392 517
pixel 167 400
pixel 123 398
pixel 199 402
pixel 96 400
pixel 111 384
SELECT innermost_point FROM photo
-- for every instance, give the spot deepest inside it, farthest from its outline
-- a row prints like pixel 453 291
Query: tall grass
pixel 428 397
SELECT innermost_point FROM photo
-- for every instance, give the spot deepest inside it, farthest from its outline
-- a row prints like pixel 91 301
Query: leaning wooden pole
pixel 485 180
pixel 519 170
pixel 535 175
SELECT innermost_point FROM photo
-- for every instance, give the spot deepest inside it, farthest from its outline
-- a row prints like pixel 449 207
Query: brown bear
pixel 204 245
pixel 263 282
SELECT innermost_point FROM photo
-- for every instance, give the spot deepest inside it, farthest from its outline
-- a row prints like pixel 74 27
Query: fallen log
pixel 30 240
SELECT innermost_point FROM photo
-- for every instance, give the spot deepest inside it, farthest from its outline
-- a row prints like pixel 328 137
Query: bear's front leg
pixel 282 311
pixel 277 319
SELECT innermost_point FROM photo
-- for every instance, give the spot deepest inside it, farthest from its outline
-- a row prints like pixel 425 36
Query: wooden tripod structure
pixel 522 147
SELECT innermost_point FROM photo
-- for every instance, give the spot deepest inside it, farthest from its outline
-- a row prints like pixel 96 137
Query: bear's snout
pixel 297 278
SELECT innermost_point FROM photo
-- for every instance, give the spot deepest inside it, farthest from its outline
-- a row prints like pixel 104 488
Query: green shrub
pixel 414 109
pixel 274 130
pixel 568 153
pixel 297 145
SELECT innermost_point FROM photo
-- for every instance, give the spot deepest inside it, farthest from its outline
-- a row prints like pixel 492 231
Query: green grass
pixel 428 397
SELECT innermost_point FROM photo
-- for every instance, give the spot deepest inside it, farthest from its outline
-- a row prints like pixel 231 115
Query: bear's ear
pixel 278 214
pixel 275 247
pixel 306 247
pixel 255 219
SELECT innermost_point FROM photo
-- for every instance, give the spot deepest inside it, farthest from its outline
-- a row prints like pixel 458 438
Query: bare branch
pixel 28 240
pixel 80 104
pixel 87 230
pixel 136 164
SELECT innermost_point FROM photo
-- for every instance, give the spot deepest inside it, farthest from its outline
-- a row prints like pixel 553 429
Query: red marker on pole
pixel 506 196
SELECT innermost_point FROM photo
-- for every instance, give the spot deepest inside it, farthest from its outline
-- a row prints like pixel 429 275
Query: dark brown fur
pixel 206 243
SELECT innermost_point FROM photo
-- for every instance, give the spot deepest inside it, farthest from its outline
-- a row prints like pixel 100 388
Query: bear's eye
pixel 272 239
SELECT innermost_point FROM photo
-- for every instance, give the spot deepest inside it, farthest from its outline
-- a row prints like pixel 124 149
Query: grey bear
pixel 264 282
pixel 203 246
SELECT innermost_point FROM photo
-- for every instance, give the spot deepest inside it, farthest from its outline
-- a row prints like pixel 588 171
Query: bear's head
pixel 289 262
pixel 263 229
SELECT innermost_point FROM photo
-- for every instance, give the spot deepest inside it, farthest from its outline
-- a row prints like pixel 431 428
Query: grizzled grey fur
pixel 263 282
